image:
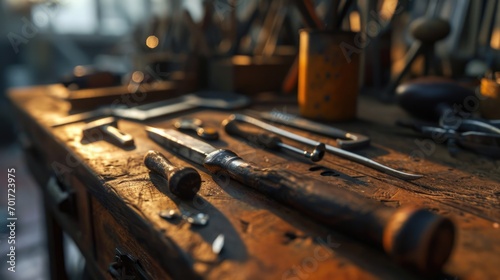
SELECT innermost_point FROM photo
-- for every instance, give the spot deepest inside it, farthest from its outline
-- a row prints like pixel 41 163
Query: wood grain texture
pixel 266 240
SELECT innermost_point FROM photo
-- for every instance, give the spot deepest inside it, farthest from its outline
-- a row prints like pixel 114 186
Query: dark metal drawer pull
pixel 64 200
pixel 126 267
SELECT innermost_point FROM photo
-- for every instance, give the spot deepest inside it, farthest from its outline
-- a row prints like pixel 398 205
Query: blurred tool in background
pixel 453 110
pixel 166 34
pixel 469 50
pixel 426 31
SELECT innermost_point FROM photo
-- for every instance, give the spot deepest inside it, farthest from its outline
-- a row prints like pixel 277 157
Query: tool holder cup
pixel 328 74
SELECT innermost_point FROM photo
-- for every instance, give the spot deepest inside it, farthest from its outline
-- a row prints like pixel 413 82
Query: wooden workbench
pixel 114 201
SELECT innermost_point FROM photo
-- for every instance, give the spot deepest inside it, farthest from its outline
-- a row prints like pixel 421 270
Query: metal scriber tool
pixel 413 237
pixel 272 142
pixel 345 140
pixel 336 151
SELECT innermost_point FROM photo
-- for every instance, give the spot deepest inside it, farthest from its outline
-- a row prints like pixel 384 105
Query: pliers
pixel 480 136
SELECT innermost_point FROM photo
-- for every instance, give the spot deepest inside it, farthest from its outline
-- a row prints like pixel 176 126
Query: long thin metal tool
pixel 205 99
pixel 334 150
pixel 414 237
pixel 345 140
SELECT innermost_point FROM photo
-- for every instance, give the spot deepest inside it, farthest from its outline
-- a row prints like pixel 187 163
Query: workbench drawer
pixel 119 251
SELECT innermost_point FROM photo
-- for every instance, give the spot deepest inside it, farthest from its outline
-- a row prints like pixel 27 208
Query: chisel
pixel 413 237
pixel 183 181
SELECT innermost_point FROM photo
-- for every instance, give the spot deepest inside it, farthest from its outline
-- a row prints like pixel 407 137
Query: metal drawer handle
pixel 64 200
pixel 126 267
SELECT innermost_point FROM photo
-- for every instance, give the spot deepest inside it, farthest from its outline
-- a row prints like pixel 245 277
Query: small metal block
pixel 169 214
pixel 199 219
pixel 218 244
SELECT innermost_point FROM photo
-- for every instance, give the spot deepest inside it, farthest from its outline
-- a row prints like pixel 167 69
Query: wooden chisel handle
pixel 183 181
pixel 416 238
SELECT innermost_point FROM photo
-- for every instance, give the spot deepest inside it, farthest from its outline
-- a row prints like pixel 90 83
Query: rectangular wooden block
pixel 247 74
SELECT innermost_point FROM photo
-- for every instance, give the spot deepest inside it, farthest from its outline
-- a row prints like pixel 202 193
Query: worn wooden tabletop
pixel 263 239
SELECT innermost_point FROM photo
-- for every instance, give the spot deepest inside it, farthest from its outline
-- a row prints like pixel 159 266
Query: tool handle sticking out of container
pixel 184 182
pixel 272 142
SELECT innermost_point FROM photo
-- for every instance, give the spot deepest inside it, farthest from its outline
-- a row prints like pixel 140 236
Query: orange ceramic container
pixel 328 75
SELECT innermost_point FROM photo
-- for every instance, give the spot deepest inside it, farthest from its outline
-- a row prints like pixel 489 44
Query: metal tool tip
pixel 218 244
pixel 318 153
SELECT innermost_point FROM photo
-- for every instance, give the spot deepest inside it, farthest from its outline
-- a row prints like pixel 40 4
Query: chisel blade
pixel 181 143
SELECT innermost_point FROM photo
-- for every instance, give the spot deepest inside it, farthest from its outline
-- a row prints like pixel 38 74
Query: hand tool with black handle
pixel 182 181
pixel 413 237
pixel 272 142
